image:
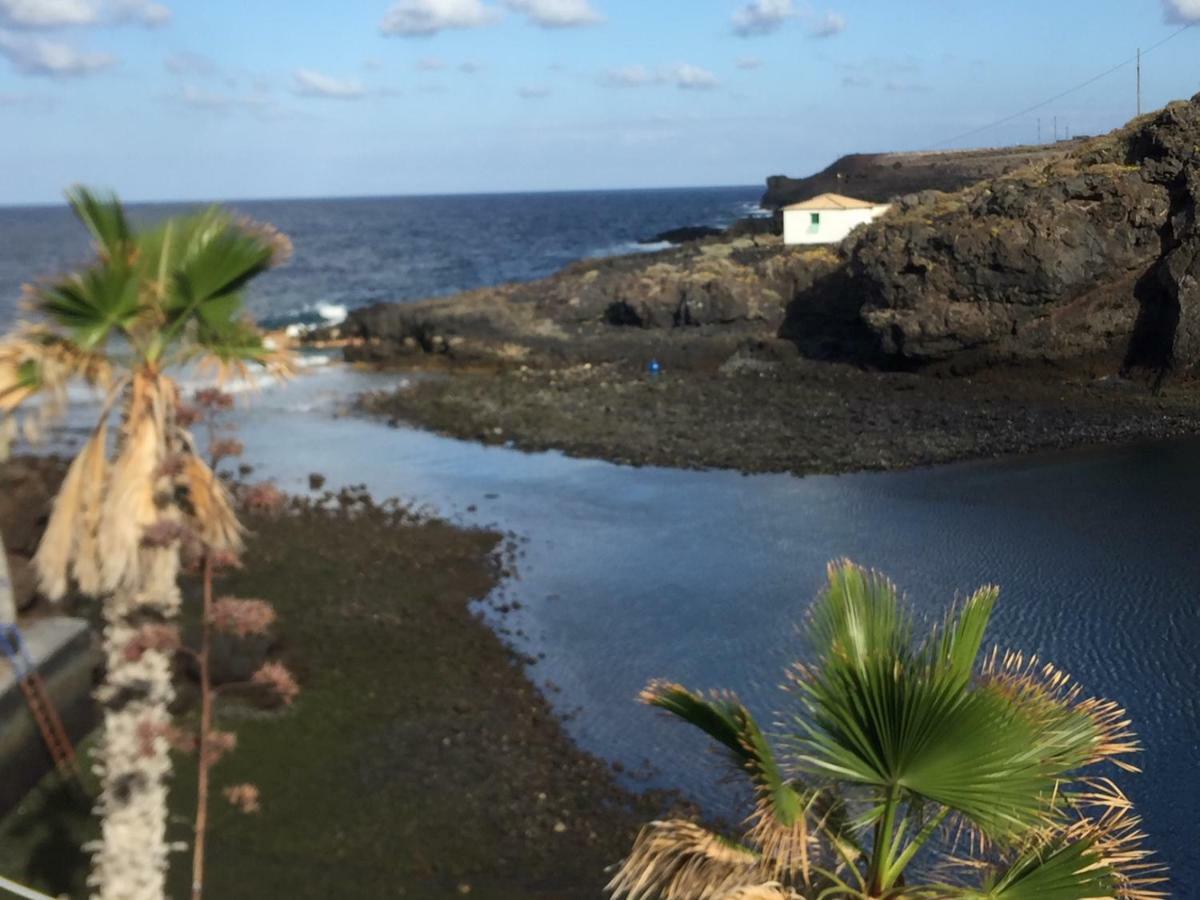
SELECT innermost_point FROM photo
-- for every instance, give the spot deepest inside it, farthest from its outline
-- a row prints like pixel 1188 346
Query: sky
pixel 230 99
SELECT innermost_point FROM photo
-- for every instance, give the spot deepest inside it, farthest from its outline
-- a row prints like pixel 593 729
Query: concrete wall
pixel 65 653
pixel 834 226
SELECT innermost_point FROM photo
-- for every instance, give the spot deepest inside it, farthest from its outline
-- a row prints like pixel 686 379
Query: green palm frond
pixel 105 218
pixel 1071 730
pixel 219 261
pixel 859 617
pixel 1087 860
pixel 910 729
pixel 957 644
pixel 92 304
pixel 780 825
pixel 728 722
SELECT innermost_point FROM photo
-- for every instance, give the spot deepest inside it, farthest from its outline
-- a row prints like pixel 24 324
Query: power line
pixel 1066 93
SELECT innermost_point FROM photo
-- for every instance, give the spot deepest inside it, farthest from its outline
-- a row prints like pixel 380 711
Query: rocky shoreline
pixel 420 760
pixel 800 418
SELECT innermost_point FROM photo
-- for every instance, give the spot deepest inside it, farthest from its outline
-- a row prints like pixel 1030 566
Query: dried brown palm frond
pixel 85 565
pixel 772 890
pixel 211 507
pixel 787 851
pixel 66 532
pixel 129 506
pixel 677 860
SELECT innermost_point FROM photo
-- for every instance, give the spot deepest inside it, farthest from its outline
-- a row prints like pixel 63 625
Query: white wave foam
pixel 333 313
pixel 628 248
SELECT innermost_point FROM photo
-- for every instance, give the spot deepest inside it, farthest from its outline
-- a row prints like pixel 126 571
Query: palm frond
pixel 91 305
pixel 956 645
pixel 1086 861
pixel 59 545
pixel 1071 730
pixel 858 617
pixel 21 375
pixel 210 507
pixel 676 860
pixel 105 218
pixel 772 890
pixel 233 346
pixel 779 826
pixel 896 725
pixel 130 503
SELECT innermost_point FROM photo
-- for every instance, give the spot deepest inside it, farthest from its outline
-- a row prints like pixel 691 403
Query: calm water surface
pixel 631 574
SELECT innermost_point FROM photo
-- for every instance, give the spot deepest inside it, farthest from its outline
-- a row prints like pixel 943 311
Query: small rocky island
pixel 1053 304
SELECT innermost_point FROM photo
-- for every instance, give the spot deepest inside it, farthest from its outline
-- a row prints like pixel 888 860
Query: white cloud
pixel 533 91
pixel 827 25
pixel 256 103
pixel 470 67
pixel 78 13
pixel 309 83
pixel 422 18
pixel 141 12
pixel 749 62
pixel 631 76
pixel 762 17
pixel 54 59
pixel 683 75
pixel 692 78
pixel 1182 12
pixel 49 13
pixel 430 64
pixel 557 13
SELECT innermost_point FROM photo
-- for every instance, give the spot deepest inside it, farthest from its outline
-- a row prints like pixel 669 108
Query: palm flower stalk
pixel 151 300
pixel 909 768
pixel 238 618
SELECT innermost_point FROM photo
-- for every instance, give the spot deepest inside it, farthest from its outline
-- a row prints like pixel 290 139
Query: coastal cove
pixel 701 576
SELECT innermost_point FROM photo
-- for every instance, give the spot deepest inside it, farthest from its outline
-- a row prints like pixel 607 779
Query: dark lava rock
pixel 880 177
pixel 1093 257
pixel 683 235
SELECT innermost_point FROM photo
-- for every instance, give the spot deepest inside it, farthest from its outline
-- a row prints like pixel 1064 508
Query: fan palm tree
pixel 151 300
pixel 908 768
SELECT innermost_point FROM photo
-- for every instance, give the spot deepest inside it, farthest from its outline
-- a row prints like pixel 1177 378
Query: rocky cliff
pixel 882 177
pixel 692 305
pixel 1093 256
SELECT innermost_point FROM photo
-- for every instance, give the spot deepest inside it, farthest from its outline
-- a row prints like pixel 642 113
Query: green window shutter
pixel 816 219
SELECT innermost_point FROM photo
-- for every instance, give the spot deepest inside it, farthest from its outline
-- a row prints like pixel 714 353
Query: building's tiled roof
pixel 833 201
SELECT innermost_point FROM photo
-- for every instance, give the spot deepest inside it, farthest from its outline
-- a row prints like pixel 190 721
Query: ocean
pixel 356 251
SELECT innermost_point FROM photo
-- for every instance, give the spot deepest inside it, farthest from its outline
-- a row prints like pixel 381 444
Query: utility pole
pixel 1139 82
pixel 1039 130
pixel 1056 129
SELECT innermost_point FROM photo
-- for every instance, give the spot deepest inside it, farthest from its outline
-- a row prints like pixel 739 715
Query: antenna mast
pixel 1139 81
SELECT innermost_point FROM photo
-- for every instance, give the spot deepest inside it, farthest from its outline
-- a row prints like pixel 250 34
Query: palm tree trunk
pixel 130 860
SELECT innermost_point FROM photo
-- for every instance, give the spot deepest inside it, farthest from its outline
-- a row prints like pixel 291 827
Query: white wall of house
pixel 830 225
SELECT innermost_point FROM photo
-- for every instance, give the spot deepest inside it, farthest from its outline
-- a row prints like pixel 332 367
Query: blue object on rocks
pixel 654 367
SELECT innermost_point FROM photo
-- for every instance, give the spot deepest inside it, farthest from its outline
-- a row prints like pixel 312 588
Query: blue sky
pixel 222 99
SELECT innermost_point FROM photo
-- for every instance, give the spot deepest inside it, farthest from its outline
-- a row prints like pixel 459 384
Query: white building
pixel 827 219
